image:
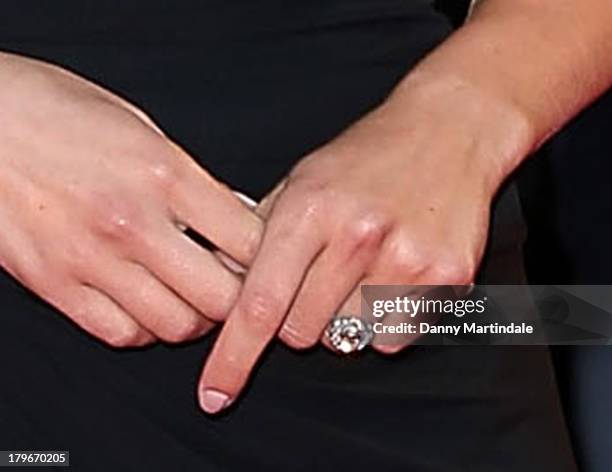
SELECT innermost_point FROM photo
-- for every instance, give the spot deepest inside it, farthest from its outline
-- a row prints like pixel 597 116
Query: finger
pixel 383 271
pixel 395 267
pixel 92 310
pixel 262 209
pixel 227 261
pixel 289 246
pixel 211 209
pixel 422 279
pixel 149 302
pixel 101 316
pixel 265 206
pixel 396 274
pixel 360 303
pixel 329 282
pixel 193 272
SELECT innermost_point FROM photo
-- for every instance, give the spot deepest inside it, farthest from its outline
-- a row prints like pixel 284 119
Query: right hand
pixel 93 200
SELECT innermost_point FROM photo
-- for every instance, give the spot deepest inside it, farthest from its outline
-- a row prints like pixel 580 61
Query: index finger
pixel 269 289
pixel 214 211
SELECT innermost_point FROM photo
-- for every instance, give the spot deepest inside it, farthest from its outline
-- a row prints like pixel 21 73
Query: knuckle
pixel 407 258
pixel 367 231
pixel 451 271
pixel 251 243
pixel 117 226
pixel 184 330
pixel 116 220
pixel 218 308
pixel 233 363
pixel 127 336
pixel 297 338
pixel 259 310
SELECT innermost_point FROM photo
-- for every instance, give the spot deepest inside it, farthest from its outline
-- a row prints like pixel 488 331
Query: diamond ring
pixel 349 334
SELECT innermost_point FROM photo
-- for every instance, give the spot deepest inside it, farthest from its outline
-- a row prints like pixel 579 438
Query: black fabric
pixel 456 10
pixel 565 194
pixel 249 87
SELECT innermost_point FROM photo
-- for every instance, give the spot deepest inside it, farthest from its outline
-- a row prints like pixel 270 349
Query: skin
pixel 403 196
pixel 93 201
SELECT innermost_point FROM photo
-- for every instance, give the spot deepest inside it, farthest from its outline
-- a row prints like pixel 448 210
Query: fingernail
pixel 213 401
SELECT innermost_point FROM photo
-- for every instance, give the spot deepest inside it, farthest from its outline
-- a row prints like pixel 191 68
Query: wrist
pixel 496 135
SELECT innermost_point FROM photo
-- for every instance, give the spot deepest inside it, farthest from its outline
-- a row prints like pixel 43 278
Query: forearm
pixel 525 66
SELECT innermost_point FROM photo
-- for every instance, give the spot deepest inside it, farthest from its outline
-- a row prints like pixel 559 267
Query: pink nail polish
pixel 213 401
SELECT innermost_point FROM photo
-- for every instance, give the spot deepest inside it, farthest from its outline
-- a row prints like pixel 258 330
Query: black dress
pixel 248 87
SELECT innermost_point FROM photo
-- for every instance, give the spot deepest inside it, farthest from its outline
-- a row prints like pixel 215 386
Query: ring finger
pixel 149 301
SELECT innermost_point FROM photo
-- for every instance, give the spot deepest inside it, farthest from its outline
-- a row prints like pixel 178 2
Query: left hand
pixel 401 197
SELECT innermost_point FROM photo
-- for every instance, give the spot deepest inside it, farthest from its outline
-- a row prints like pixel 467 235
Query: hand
pixel 402 197
pixel 93 200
